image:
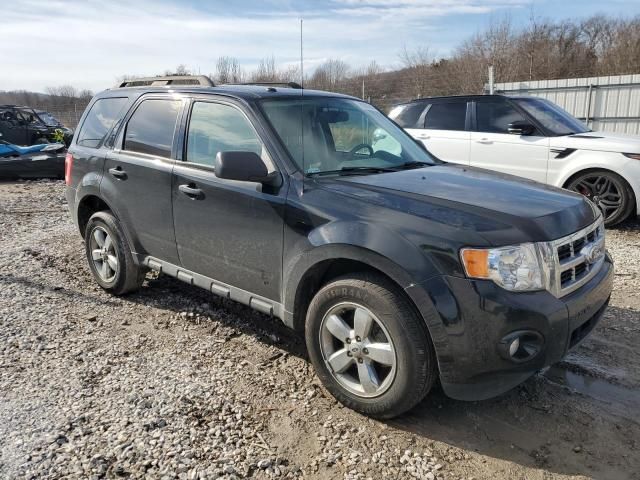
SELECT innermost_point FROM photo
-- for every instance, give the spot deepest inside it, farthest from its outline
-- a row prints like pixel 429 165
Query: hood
pixel 599 141
pixel 502 208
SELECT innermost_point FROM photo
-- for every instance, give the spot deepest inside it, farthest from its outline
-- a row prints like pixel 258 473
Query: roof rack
pixel 271 84
pixel 199 80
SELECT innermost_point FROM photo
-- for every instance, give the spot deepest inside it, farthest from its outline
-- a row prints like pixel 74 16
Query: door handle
pixel 485 141
pixel 423 136
pixel 191 191
pixel 118 172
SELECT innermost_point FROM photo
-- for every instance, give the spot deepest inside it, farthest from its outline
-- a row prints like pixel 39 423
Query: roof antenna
pixel 304 168
pixel 301 60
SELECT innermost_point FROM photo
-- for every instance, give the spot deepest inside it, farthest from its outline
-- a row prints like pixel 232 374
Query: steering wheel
pixel 355 149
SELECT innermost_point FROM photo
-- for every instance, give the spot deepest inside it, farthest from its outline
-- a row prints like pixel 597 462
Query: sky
pixel 92 43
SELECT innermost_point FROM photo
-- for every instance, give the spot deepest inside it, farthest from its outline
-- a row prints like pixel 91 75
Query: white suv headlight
pixel 516 268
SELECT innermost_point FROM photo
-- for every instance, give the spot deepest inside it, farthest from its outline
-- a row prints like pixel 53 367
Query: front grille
pixel 577 258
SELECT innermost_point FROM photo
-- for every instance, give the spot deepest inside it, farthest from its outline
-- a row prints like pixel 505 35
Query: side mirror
pixel 244 167
pixel 521 128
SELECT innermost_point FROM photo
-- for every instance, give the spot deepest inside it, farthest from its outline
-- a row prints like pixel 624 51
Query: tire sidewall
pixel 411 361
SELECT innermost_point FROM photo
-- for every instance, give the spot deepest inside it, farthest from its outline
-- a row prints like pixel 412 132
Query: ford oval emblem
pixel 592 252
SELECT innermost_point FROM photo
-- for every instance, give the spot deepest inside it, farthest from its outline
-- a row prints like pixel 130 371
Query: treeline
pixel 542 49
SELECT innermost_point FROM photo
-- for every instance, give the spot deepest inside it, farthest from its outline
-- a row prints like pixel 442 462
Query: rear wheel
pixel 608 190
pixel 109 255
pixel 369 347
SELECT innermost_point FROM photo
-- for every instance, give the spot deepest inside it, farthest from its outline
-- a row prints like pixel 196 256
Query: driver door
pixel 494 148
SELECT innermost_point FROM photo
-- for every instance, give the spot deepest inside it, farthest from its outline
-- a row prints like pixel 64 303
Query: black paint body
pixel 409 225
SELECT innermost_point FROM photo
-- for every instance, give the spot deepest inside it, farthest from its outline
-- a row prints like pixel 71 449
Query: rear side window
pixel 495 117
pixel 446 116
pixel 103 114
pixel 214 128
pixel 151 127
pixel 407 115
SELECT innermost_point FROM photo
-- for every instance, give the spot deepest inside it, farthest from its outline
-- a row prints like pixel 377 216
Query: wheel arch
pixel 319 266
pixel 92 203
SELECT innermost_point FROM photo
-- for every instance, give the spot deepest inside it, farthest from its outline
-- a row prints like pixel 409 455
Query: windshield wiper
pixel 409 165
pixel 351 170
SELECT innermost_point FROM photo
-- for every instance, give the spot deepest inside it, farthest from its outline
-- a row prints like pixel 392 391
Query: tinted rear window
pixel 407 115
pixel 150 128
pixel 103 114
pixel 446 116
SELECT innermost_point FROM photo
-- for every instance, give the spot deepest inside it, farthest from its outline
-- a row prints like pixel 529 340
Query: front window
pixel 495 117
pixel 551 116
pixel 327 135
pixel 215 128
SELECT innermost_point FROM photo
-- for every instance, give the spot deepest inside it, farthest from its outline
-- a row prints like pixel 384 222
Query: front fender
pixel 373 245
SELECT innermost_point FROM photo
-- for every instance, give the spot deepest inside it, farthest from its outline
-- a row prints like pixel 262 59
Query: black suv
pixel 399 268
pixel 22 126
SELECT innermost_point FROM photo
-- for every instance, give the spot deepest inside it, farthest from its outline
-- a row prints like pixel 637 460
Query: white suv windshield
pixel 551 116
pixel 326 135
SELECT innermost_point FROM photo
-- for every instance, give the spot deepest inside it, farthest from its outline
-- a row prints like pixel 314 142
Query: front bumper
pixel 468 318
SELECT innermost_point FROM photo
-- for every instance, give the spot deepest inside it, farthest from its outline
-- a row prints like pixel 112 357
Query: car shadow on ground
pixel 540 424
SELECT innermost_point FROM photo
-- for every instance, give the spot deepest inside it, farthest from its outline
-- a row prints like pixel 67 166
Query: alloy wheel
pixel 358 350
pixel 602 190
pixel 103 254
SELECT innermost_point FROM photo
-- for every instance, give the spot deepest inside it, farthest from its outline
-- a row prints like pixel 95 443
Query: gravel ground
pixel 174 383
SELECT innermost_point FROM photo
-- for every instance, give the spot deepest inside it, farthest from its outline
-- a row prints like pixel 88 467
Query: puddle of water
pixel 594 387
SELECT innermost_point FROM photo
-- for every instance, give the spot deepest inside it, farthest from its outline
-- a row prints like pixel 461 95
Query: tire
pixel 394 321
pixel 122 275
pixel 609 191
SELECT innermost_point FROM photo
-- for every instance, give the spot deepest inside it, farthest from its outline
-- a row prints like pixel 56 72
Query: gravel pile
pixel 174 383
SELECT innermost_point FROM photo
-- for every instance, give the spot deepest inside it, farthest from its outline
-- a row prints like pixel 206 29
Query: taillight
pixel 68 164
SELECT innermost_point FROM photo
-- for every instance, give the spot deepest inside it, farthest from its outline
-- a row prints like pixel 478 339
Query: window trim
pixel 186 123
pixel 118 144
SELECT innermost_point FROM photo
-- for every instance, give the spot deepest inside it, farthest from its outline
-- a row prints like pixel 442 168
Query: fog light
pixel 521 346
pixel 514 346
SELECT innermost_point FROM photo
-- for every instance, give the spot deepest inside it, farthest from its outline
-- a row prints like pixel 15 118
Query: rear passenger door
pixel 137 175
pixel 494 148
pixel 231 231
pixel 445 131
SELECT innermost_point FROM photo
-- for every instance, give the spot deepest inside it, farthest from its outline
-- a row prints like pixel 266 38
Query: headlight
pixel 516 268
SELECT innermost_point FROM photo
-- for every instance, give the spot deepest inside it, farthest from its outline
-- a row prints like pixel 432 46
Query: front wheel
pixel 369 347
pixel 608 190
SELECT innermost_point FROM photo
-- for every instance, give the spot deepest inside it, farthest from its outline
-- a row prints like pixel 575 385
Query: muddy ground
pixel 173 383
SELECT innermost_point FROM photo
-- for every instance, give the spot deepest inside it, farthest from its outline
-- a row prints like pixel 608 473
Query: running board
pixel 261 304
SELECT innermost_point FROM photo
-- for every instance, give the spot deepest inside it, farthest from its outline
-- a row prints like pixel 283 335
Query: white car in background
pixel 532 138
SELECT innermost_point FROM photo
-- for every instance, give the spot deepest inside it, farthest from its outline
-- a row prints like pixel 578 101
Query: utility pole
pixel 491 80
pixel 363 88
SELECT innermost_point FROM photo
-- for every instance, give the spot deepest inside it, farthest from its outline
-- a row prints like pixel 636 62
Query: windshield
pixel 551 116
pixel 30 115
pixel 325 135
pixel 48 119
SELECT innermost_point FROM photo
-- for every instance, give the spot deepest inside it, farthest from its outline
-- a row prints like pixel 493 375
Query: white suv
pixel 532 138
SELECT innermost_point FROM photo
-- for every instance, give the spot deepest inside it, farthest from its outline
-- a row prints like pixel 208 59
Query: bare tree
pixel 228 70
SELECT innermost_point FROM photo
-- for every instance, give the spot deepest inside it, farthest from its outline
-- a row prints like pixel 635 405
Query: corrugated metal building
pixel 604 103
